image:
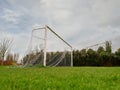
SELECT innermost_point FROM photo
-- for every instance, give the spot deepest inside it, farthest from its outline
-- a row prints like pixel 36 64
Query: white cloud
pixel 11 16
pixel 36 25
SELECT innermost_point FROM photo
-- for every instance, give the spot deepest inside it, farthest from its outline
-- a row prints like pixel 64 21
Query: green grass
pixel 60 78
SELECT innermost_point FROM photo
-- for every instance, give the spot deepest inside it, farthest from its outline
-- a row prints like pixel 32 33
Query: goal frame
pixel 46 28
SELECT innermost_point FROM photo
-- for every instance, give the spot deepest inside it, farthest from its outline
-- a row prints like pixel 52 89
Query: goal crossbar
pixel 58 36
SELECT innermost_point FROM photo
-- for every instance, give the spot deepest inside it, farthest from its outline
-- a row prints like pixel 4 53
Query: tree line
pixel 103 56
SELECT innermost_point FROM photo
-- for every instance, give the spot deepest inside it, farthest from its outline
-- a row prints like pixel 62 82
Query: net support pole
pixel 71 57
pixel 45 46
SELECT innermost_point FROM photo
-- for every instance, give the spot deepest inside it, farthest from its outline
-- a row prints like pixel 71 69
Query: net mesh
pixel 58 53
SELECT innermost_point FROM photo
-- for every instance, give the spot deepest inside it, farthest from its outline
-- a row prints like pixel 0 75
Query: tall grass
pixel 60 78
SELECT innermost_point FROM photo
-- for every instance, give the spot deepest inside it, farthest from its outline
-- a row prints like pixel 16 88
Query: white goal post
pixel 46 28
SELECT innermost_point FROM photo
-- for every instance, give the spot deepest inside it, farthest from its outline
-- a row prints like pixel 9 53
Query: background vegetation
pixel 101 57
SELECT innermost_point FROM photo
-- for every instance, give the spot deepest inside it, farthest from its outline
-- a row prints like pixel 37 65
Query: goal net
pixel 47 48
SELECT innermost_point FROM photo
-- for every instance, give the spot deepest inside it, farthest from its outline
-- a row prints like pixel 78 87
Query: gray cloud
pixel 80 22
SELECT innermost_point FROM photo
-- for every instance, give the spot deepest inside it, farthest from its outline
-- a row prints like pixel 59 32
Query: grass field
pixel 60 78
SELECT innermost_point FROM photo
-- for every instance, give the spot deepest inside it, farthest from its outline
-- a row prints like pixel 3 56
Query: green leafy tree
pixel 76 58
pixel 91 57
pixel 83 55
pixel 100 50
pixel 108 47
pixel 117 57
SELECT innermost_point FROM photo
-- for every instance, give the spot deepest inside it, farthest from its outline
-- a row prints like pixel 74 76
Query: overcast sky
pixel 80 22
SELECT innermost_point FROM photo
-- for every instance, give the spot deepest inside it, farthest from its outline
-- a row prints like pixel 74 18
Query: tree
pixel 105 59
pixel 118 52
pixel 76 58
pixel 5 46
pixel 12 57
pixel 9 57
pixel 117 57
pixel 108 53
pixel 108 47
pixel 100 50
pixel 91 58
pixel 83 55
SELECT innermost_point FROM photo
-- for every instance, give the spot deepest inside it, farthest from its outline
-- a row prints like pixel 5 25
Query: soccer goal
pixel 47 48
